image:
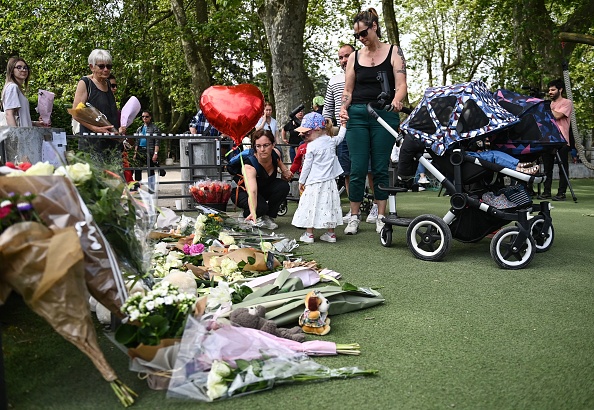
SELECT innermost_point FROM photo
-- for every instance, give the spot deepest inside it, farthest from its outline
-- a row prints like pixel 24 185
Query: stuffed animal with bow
pixel 314 319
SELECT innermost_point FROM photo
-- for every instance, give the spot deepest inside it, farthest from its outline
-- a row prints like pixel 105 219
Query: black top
pixel 105 102
pixel 367 86
pixel 249 158
pixel 294 138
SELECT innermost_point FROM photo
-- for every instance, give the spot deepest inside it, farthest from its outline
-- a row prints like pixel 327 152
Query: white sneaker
pixel 268 223
pixel 328 237
pixel 423 180
pixel 421 188
pixel 379 224
pixel 353 226
pixel 307 238
pixel 347 217
pixel 372 217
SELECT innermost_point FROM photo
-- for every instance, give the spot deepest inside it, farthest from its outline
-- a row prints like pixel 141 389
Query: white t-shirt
pixel 13 98
pixel 272 127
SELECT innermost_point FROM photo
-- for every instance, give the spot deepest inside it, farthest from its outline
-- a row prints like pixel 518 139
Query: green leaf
pixel 127 334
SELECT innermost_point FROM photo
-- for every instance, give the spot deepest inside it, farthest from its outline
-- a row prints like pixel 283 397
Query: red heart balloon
pixel 233 110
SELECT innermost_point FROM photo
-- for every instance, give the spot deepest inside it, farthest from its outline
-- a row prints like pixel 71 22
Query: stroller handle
pixel 372 106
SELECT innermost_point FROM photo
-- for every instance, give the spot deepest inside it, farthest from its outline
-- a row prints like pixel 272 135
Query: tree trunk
pixel 197 63
pixel 390 20
pixel 284 23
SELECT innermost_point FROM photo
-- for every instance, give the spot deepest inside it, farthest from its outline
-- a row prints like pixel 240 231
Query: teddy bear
pixel 314 319
pixel 253 317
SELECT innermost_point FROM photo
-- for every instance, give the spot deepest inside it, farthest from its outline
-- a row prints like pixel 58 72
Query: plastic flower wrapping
pixel 218 361
pixel 211 192
pixel 53 255
pixel 85 113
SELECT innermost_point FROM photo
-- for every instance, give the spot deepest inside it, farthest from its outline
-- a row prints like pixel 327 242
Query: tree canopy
pixel 166 52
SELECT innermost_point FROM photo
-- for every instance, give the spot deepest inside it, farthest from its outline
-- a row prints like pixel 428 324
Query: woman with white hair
pixel 96 90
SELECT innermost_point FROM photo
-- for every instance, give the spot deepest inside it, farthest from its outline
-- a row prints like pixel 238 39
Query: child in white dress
pixel 319 205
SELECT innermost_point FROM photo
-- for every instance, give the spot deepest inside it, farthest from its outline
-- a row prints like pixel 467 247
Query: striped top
pixel 333 98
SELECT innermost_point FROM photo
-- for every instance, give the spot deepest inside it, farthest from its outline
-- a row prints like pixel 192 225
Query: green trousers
pixel 367 139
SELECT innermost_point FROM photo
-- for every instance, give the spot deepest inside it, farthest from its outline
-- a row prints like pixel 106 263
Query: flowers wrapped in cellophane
pixel 85 113
pixel 46 267
pixel 211 192
pixel 217 361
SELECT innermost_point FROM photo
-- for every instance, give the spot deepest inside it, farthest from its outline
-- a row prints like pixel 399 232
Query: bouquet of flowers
pixel 207 226
pixel 211 192
pixel 46 267
pixel 17 208
pixel 160 314
pixel 85 113
pixel 217 361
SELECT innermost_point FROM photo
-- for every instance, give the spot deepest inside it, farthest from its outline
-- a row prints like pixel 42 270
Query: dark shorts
pixel 342 152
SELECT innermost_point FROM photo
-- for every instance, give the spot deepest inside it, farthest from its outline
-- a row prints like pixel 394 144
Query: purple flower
pixel 24 206
pixel 193 250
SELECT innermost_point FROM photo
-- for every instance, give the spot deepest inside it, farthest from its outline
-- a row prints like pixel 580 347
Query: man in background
pixel 561 109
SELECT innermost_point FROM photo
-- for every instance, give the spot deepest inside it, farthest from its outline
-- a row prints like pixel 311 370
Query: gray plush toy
pixel 253 318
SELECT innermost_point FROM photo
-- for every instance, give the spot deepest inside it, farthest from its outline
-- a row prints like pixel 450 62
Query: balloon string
pixel 247 188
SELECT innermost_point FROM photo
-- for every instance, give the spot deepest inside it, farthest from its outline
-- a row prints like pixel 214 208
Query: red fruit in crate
pixel 233 110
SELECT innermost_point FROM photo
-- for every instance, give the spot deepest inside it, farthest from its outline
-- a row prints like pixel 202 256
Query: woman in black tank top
pixel 366 138
pixel 96 90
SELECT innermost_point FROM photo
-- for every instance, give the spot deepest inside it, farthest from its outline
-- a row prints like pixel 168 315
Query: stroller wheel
pixel 283 208
pixel 386 236
pixel 506 255
pixel 429 238
pixel 543 240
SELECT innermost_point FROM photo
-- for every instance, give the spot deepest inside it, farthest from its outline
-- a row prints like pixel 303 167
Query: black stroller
pixel 449 120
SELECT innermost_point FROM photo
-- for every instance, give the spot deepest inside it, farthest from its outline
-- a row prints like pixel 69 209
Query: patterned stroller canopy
pixel 537 130
pixel 458 112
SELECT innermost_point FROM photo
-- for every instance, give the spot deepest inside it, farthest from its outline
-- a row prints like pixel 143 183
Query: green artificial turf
pixel 461 333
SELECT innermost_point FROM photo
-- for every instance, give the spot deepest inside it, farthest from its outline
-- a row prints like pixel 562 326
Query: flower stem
pixel 124 393
pixel 348 348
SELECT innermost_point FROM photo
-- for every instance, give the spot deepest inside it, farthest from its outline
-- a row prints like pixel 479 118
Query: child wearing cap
pixel 319 205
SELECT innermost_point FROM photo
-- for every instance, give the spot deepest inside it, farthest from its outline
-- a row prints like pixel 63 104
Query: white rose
pixel 221 368
pixel 226 239
pixel 265 246
pixel 80 173
pixel 161 248
pixel 41 168
pixel 216 390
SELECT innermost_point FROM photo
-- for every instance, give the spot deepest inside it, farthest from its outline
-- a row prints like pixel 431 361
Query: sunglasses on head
pixel 104 66
pixel 362 33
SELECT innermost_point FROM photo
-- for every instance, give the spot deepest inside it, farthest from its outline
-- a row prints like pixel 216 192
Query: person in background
pixel 200 125
pixel 148 146
pixel 267 122
pixel 319 205
pixel 293 137
pixel 96 90
pixel 318 104
pixel 259 192
pixel 367 138
pixel 561 109
pixel 14 101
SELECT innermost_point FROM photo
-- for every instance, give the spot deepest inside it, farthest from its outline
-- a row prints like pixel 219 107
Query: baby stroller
pixel 449 120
